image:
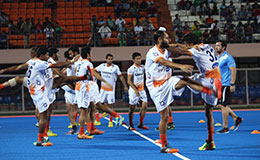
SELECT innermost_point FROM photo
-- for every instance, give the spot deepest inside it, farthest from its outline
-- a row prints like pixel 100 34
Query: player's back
pixel 206 60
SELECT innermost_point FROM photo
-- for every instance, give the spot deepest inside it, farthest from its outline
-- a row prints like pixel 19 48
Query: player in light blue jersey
pixel 227 67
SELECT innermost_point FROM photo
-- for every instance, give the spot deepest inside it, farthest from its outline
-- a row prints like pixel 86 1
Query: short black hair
pixel 34 49
pixel 136 54
pixel 223 44
pixel 67 55
pixel 74 48
pixel 53 51
pixel 191 38
pixel 156 36
pixel 85 51
pixel 109 55
pixel 41 50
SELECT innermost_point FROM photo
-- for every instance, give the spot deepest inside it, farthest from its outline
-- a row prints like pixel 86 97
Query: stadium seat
pixel 61 16
pixel 20 43
pixel 12 37
pixel 22 11
pixel 77 22
pixel 61 11
pixel 79 41
pixel 38 16
pixel 78 16
pixel 77 10
pixel 85 3
pixel 77 4
pixel 39 5
pixel 93 9
pixel 101 9
pixel 68 10
pixel 85 21
pixel 86 28
pixel 69 23
pixel 69 16
pixel 22 5
pixel 31 5
pixel 61 4
pixel 109 9
pixel 85 10
pixel 14 11
pixel 39 11
pixel 7 11
pixel 69 29
pixel 61 22
pixel 12 42
pixel 14 5
pixel 68 4
pixel 86 16
pixel 47 11
pixel 6 5
pixel 78 28
pixel 69 35
pixel 30 11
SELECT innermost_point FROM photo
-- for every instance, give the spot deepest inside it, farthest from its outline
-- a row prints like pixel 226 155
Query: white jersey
pixel 156 74
pixel 206 61
pixel 137 73
pixel 83 68
pixel 29 62
pixel 49 71
pixel 37 76
pixel 109 73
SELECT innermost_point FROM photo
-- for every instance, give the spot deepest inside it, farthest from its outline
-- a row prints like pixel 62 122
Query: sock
pixel 170 120
pixel 74 128
pixel 141 120
pixel 210 133
pixel 97 117
pixel 131 122
pixel 75 115
pixel 163 139
pixel 40 137
pixel 93 126
pixel 110 118
pixel 1 86
pixel 114 114
pixel 206 90
pixel 83 77
pixel 89 126
pixel 81 130
pixel 46 129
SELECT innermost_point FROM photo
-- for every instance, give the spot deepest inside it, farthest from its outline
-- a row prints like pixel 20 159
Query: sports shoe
pixel 96 132
pixel 37 124
pixel 208 146
pixel 70 126
pixel 217 89
pixel 110 124
pixel 238 121
pixel 97 123
pixel 72 132
pixel 84 136
pixel 131 128
pixel 51 134
pixel 42 143
pixel 142 126
pixel 104 114
pixel 168 149
pixel 119 120
pixel 223 130
pixel 170 126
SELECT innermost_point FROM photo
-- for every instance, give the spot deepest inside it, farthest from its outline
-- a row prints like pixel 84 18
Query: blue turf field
pixel 18 134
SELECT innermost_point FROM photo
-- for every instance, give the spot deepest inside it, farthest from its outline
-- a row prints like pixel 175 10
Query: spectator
pixel 12 28
pixel 151 11
pixel 39 26
pixel 105 31
pixel 249 33
pixel 207 10
pixel 181 5
pixel 193 10
pixel 223 6
pixel 143 5
pixel 256 26
pixel 147 24
pixel 197 2
pixel 197 32
pixel 201 21
pixel 3 19
pixel 130 36
pixel 111 23
pixel 149 3
pixel 109 3
pixel 188 5
pixel 231 7
pixel 49 35
pixel 215 24
pixel 46 23
pixel 134 12
pixel 228 26
pixel 240 32
pixel 205 36
pixel 214 34
pixel 195 25
pixel 95 36
pixel 186 28
pixel 148 37
pixel 3 40
pixel 176 21
pixel 119 22
pixel 122 39
pixel 33 27
pixel 58 32
pixel 255 5
pixel 26 31
pixel 19 24
pixel 231 36
pixel 178 34
pixel 242 13
pixel 134 3
pixel 139 33
pixel 93 3
pixel 200 9
pixel 122 28
pixel 215 9
pixel 209 21
pixel 101 22
pixel 119 9
pixel 126 5
pixel 101 3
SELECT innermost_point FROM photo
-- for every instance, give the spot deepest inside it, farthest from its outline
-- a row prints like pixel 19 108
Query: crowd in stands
pixel 248 17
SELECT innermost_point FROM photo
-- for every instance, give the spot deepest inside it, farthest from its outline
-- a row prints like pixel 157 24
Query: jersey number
pixel 212 56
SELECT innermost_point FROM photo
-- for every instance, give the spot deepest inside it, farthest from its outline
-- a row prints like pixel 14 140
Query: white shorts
pixel 133 99
pixel 51 94
pixel 162 95
pixel 94 92
pixel 207 82
pixel 69 94
pixel 83 99
pixel 107 96
pixel 41 100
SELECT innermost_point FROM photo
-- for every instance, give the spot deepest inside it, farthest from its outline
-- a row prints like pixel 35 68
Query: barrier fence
pixel 17 99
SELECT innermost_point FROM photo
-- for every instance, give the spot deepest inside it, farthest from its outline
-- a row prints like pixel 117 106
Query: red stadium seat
pixel 69 23
pixel 93 9
pixel 69 29
pixel 47 11
pixel 30 11
pixel 85 10
pixel 6 5
pixel 68 10
pixel 69 35
pixel 22 11
pixel 78 22
pixel 78 28
pixel 77 10
pixel 109 9
pixel 85 3
pixel 61 4
pixel 69 16
pixel 86 16
pixel 60 11
pixel 7 11
pixel 77 16
pixel 86 28
pixel 101 9
pixel 79 35
pixel 12 42
pixel 79 41
pixel 68 4
pixel 60 16
pixel 38 11
pixel 77 4
pixel 31 5
pixel 61 22
pixel 22 5
pixel 14 5
pixel 39 5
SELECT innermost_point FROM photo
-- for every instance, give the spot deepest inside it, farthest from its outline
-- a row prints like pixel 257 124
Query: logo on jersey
pixel 148 75
pixel 44 105
pixel 215 65
pixel 155 54
pixel 162 103
pixel 167 69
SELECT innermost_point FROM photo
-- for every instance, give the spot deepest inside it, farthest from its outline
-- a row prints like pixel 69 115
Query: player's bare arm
pixel 130 83
pixel 14 68
pixel 98 76
pixel 186 68
pixel 233 78
pixel 124 83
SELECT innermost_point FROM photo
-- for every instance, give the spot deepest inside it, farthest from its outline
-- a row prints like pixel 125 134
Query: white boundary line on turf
pixel 149 139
